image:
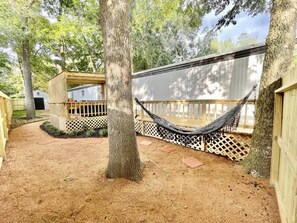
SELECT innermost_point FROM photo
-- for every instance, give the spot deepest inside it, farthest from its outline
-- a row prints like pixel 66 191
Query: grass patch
pixel 19 118
pixel 22 114
pixel 53 131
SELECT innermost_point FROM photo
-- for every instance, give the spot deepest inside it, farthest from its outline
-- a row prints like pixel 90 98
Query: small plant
pixel 85 128
pixel 74 133
pixel 103 132
pixel 52 130
pixel 90 132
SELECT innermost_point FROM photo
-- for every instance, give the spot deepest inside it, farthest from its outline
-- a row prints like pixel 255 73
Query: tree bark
pixel 29 99
pixel 124 160
pixel 278 57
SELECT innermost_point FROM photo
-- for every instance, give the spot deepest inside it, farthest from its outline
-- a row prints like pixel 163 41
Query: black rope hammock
pixel 225 123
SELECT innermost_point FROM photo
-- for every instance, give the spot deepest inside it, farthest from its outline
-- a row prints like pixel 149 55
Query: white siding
pixel 41 94
pixel 89 93
pixel 230 79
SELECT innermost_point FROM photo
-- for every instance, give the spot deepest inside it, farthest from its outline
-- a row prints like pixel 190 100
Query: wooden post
pixel 277 129
pixel 203 115
pixel 142 121
pixel 102 92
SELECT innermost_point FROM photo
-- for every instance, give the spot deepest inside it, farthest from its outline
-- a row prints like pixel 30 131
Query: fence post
pixel 2 129
pixel 142 121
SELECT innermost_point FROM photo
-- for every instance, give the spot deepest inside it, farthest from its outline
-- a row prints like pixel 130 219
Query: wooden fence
pixel 284 149
pixel 18 104
pixel 5 119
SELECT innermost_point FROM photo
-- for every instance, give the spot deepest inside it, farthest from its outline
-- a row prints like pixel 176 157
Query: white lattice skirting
pixel 83 123
pixel 233 146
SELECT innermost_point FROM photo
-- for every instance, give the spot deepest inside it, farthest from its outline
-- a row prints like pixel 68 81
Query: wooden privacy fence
pixel 284 148
pixel 5 119
pixel 18 104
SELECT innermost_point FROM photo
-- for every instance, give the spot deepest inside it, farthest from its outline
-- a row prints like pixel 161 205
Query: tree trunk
pixel 124 161
pixel 279 53
pixel 29 99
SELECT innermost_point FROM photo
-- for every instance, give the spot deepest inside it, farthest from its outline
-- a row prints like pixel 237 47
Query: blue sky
pixel 256 26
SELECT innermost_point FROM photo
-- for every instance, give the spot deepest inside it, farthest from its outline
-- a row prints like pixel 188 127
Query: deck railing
pixel 86 109
pixel 189 113
pixel 194 113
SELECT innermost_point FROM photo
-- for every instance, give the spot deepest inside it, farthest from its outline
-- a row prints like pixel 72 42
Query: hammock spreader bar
pixel 226 122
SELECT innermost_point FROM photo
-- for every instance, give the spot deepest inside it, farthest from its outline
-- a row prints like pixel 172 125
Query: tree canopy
pixel 65 35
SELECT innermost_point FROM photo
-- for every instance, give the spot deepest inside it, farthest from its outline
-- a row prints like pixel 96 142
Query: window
pixel 38 93
pixel 82 93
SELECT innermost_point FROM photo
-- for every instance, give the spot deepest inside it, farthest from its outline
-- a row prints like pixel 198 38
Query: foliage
pixel 235 7
pixel 65 35
pixel 164 32
pixel 50 25
pixel 76 36
pixel 217 46
pixel 103 132
pixel 19 118
pixel 51 130
pixel 22 113
pixel 90 132
pixel 73 133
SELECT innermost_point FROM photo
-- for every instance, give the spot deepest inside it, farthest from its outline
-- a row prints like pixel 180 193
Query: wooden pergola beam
pixel 84 78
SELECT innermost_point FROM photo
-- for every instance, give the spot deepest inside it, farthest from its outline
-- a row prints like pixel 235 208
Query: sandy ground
pixel 62 180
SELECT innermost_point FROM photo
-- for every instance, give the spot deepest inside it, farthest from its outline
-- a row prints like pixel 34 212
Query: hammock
pixel 225 123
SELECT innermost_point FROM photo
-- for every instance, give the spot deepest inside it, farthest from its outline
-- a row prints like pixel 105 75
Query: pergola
pixel 62 111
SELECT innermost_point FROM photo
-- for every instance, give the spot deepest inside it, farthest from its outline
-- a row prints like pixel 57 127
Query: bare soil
pixel 45 179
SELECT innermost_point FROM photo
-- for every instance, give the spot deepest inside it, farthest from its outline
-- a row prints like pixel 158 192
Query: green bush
pixel 52 130
pixel 90 132
pixel 74 133
pixel 103 132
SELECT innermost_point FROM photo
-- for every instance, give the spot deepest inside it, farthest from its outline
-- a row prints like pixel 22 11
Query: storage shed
pixel 40 100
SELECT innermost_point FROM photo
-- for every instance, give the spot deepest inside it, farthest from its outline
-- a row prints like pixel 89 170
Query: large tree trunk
pixel 279 53
pixel 29 99
pixel 124 161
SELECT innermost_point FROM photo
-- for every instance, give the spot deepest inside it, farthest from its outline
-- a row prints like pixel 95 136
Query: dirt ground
pixel 62 180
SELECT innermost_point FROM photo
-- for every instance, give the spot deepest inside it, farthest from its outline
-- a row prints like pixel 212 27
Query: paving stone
pixel 146 143
pixel 192 162
pixel 167 149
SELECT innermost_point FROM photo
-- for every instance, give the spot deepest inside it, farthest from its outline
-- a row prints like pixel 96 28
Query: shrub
pixel 90 132
pixel 103 132
pixel 74 133
pixel 52 130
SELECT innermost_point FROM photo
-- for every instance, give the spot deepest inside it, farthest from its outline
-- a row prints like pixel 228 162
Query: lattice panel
pixel 233 146
pixel 150 129
pixel 90 123
pixel 138 127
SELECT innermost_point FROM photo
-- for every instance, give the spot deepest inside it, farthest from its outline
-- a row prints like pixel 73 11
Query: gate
pixel 284 150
